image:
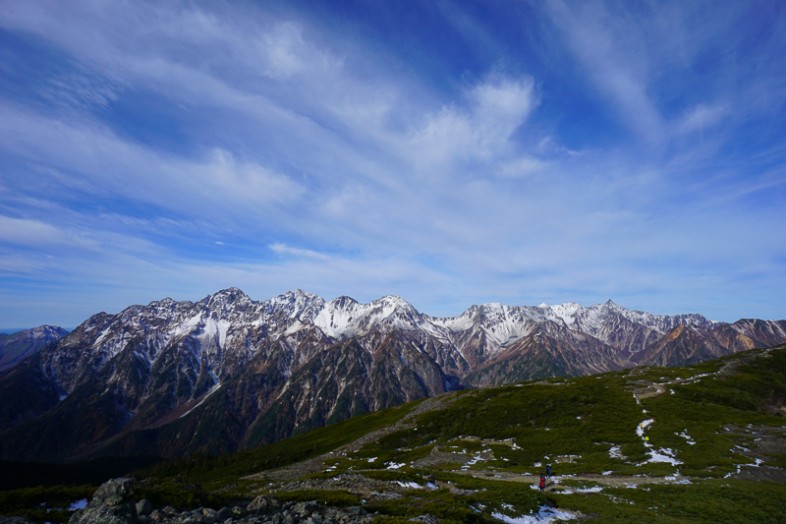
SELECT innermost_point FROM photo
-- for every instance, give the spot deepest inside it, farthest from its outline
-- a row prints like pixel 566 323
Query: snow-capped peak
pixel 298 304
pixel 344 316
pixel 566 312
pixel 227 297
pixel 391 303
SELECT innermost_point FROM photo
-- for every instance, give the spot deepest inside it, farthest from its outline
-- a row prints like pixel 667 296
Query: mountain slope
pixel 226 372
pixel 18 346
pixel 696 444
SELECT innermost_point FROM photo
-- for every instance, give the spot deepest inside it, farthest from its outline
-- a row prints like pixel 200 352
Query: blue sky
pixel 452 153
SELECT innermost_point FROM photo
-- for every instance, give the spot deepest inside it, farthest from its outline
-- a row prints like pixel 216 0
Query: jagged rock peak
pixel 164 302
pixel 298 304
pixel 343 302
pixel 484 309
pixel 230 294
pixel 393 302
pixel 295 296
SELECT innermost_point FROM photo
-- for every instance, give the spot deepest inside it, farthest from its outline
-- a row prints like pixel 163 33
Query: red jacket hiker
pixel 542 482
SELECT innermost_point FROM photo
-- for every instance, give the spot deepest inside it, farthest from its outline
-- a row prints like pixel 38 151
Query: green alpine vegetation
pixel 705 443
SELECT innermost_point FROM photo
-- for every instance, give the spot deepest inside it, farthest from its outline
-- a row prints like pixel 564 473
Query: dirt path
pixel 616 481
pixel 653 390
pixel 657 389
pixel 317 464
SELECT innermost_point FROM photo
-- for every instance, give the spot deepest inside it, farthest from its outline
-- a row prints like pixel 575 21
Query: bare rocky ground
pixel 114 503
pixel 762 442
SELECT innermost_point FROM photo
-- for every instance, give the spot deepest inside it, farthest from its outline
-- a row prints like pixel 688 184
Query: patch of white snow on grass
pixel 615 452
pixel 642 426
pixel 756 463
pixel 663 455
pixel 678 479
pixel 395 465
pixel 571 491
pixel 687 437
pixel 544 515
pixel 372 459
pixel 730 473
pixel 474 460
pixel 656 455
pixel 77 504
pixel 409 484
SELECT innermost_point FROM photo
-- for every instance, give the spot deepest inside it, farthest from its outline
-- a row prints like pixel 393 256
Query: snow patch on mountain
pixel 566 312
pixel 216 328
pixel 188 326
pixel 345 317
pixel 207 395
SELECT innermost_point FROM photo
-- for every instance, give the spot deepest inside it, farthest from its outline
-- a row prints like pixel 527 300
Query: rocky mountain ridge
pixel 16 347
pixel 228 372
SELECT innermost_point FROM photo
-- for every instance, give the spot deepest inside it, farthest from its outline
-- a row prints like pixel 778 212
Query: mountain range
pixel 224 373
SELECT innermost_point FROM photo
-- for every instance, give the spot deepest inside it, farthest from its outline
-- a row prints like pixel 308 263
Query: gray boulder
pixel 144 507
pixel 112 503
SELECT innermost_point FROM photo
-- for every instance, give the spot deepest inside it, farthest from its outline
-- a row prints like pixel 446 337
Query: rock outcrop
pixel 113 503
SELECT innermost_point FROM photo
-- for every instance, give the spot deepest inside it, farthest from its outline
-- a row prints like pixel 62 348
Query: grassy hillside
pixel 705 443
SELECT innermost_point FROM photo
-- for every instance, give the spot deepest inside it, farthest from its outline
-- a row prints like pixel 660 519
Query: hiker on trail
pixel 542 484
pixel 548 470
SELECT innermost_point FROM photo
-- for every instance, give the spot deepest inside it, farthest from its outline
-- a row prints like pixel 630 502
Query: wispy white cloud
pixel 478 130
pixel 523 166
pixel 701 117
pixel 218 185
pixel 283 249
pixel 609 45
pixel 29 232
pixel 237 181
